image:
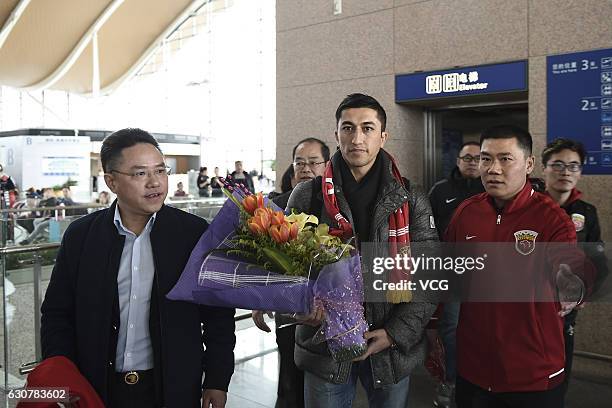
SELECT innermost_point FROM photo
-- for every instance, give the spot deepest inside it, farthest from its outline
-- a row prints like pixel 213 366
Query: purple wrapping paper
pixel 227 282
pixel 339 288
pixel 221 228
pixel 216 279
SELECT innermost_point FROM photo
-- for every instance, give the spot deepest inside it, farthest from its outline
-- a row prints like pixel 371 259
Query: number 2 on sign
pixel 585 104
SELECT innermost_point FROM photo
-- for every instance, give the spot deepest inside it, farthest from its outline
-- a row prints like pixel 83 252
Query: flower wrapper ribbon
pixel 227 282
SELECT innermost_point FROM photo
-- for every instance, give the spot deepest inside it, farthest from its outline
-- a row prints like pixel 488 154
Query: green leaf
pixel 281 260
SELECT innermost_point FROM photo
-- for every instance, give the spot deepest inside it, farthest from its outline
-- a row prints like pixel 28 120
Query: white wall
pixel 46 161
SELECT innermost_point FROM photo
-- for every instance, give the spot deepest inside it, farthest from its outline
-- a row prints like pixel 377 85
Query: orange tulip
pixel 260 200
pixel 256 228
pixel 277 217
pixel 253 202
pixel 250 204
pixel 279 233
pixel 260 222
pixel 293 230
pixel 265 215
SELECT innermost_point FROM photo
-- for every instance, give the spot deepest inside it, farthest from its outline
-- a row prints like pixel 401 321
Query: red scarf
pixel 399 236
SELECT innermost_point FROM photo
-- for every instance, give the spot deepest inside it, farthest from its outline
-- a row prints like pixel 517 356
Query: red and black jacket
pixel 515 346
pixel 585 219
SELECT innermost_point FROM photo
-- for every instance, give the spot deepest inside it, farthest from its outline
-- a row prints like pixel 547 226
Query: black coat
pixel 584 217
pixel 281 199
pixel 80 313
pixel 446 195
pixel 404 322
pixel 247 178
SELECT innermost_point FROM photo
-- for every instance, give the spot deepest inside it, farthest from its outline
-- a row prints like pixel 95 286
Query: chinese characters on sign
pixel 484 79
pixel 453 82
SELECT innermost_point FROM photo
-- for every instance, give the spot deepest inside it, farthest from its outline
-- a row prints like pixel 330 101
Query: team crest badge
pixel 578 220
pixel 525 241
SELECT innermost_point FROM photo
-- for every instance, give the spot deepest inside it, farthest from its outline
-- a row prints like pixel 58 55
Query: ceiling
pixel 51 43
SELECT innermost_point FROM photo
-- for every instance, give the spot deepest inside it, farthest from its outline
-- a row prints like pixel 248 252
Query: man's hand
pixel 214 399
pixel 258 318
pixel 570 288
pixel 315 318
pixel 378 340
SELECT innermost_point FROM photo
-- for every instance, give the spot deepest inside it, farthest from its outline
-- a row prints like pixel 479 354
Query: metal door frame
pixel 433 134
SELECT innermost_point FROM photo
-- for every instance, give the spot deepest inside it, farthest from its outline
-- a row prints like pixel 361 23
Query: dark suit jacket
pixel 80 313
pixel 248 180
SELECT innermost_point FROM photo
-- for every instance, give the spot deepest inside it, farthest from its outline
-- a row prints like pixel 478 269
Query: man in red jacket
pixel 510 353
pixel 562 168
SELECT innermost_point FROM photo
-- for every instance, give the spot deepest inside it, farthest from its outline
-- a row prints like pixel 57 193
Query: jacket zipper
pixel 489 318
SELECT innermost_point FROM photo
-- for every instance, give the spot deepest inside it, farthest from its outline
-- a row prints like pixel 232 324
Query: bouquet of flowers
pixel 253 256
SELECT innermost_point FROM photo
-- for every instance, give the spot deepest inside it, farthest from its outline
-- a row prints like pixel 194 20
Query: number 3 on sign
pixel 585 65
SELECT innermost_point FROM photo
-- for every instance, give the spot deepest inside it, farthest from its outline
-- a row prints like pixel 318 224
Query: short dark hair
pixel 113 145
pixel 522 136
pixel 286 179
pixel 358 100
pixel 470 143
pixel 203 169
pixel 324 148
pixel 560 144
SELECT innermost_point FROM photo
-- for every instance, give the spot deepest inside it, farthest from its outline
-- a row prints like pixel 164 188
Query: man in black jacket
pixel 562 167
pixel 309 156
pixel 463 182
pixel 445 196
pixel 106 307
pixel 365 195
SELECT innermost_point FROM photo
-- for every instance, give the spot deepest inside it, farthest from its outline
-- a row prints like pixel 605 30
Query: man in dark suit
pixel 106 307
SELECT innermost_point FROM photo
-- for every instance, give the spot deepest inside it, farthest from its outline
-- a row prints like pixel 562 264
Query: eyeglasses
pixel 469 158
pixel 560 167
pixel 301 164
pixel 143 174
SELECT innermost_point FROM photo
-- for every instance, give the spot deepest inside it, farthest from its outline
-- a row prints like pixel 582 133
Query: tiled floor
pixel 254 382
pixel 255 379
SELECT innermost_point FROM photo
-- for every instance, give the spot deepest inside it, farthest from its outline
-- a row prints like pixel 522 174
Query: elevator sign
pixel 453 82
pixel 479 80
pixel 579 104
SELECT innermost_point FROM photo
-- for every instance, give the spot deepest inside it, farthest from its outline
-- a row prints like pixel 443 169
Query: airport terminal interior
pixel 229 88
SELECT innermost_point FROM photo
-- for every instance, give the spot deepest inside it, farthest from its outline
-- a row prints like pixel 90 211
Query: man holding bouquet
pixel 365 196
pixel 106 307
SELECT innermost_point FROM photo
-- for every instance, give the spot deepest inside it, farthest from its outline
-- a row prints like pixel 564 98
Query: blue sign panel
pixel 479 80
pixel 579 103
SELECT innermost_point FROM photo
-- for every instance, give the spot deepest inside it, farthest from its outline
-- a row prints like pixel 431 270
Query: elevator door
pixel 447 129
